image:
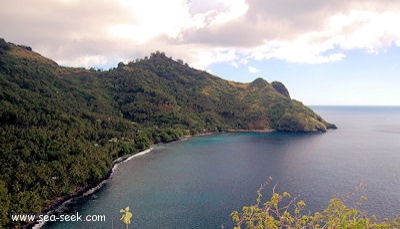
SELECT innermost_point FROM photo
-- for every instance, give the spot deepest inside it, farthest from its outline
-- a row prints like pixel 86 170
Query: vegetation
pixel 283 211
pixel 61 128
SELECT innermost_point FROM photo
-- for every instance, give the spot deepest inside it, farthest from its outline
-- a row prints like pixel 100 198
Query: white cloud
pixel 216 12
pixel 208 57
pixel 86 61
pixel 301 50
pixel 357 29
pixel 366 29
pixel 201 32
pixel 153 18
pixel 236 8
pixel 253 70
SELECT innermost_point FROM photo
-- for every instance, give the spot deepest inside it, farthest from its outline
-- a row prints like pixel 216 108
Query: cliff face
pixel 68 124
pixel 279 87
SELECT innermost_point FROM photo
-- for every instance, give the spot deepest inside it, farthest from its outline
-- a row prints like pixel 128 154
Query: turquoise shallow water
pixel 197 183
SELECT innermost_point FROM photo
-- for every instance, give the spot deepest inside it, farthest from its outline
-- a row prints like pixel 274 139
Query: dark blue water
pixel 198 182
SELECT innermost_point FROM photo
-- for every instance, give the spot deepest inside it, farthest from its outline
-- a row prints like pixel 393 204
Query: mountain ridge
pixel 62 127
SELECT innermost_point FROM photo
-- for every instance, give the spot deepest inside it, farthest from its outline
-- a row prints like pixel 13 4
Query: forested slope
pixel 61 128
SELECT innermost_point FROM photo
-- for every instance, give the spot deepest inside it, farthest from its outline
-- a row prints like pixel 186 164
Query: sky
pixel 331 52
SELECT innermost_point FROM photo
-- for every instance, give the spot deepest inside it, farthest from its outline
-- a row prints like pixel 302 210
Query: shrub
pixel 282 211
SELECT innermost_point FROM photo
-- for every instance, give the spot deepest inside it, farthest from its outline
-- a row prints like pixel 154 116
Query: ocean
pixel 198 182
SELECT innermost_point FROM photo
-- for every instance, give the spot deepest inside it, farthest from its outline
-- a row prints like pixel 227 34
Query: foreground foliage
pixel 282 211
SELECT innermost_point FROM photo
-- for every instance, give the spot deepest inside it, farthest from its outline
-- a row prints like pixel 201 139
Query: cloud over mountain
pixel 100 33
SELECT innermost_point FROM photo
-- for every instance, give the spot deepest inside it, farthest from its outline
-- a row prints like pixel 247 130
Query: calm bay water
pixel 197 183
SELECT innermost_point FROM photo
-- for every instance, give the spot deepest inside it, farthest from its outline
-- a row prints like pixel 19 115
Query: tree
pixel 126 216
pixel 121 64
pixel 5 201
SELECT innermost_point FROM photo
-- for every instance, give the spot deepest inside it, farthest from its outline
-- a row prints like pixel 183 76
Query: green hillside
pixel 61 128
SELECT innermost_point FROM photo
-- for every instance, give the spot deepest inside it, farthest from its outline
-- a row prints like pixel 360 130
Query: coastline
pixel 250 131
pixel 58 203
pixel 154 154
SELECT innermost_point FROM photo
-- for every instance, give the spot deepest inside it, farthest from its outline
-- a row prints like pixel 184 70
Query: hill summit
pixel 180 95
pixel 62 127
